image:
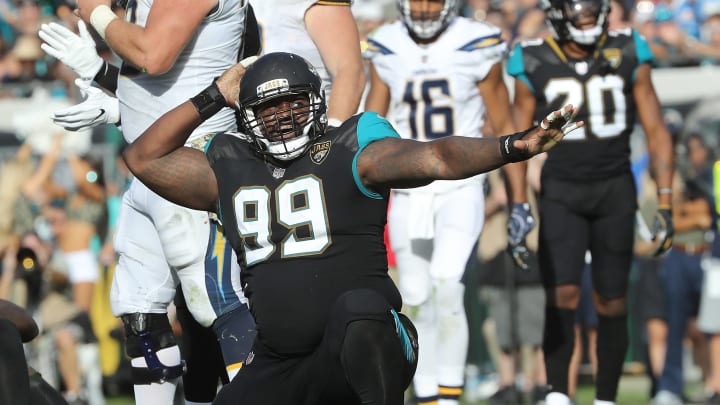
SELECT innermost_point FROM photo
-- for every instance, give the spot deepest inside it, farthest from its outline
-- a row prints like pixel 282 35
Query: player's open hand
pixel 229 82
pixel 75 50
pixel 550 131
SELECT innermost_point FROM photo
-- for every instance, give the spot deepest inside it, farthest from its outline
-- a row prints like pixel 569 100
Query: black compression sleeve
pixel 251 44
pixel 107 77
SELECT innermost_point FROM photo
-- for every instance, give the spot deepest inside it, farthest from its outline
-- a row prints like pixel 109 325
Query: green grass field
pixel 633 391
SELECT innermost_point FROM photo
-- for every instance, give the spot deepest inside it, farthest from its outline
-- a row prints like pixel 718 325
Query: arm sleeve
pixel 516 66
pixel 251 44
pixel 107 77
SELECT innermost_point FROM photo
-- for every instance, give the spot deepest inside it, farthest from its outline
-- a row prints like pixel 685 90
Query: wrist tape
pixel 509 152
pixel 100 18
pixel 209 101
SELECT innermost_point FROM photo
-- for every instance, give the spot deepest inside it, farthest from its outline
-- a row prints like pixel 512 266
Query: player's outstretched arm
pixel 403 163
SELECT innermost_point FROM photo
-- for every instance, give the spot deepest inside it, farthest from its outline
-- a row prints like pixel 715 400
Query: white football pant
pixel 433 235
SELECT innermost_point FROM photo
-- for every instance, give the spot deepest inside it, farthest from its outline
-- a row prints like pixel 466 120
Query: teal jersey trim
pixel 405 341
pixel 516 67
pixel 207 144
pixel 371 127
pixel 642 50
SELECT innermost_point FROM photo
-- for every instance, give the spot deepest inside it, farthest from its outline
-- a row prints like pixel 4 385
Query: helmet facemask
pixel 564 19
pixel 426 25
pixel 283 125
pixel 282 105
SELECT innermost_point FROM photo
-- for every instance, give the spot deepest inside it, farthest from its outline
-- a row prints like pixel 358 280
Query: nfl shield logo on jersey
pixel 319 152
pixel 278 172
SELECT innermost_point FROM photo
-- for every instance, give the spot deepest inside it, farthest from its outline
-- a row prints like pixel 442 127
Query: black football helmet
pixel 429 26
pixel 286 133
pixel 562 15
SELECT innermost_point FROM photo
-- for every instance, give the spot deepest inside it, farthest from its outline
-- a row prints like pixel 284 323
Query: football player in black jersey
pixel 304 206
pixel 588 198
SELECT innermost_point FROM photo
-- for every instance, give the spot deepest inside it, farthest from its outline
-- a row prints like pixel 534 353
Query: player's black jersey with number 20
pixel 601 86
pixel 305 231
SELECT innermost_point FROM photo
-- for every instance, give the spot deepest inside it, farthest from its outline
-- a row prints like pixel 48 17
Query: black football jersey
pixel 601 86
pixel 305 231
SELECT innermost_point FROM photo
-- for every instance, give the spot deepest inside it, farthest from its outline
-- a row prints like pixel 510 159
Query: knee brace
pixel 145 335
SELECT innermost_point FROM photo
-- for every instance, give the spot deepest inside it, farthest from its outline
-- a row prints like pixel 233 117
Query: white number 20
pixel 593 94
pixel 299 203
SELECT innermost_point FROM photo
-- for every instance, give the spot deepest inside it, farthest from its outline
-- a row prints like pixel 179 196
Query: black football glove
pixel 663 230
pixel 520 223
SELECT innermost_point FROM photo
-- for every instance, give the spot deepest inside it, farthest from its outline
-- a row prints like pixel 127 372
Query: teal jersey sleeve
pixel 642 48
pixel 516 67
pixel 370 128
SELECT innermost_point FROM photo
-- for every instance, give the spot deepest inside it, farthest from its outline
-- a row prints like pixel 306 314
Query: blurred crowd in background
pixel 59 194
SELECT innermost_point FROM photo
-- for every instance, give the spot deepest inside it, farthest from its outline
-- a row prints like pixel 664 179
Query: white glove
pixel 76 51
pixel 97 109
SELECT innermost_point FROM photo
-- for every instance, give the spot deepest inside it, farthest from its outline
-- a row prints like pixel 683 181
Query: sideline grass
pixel 633 391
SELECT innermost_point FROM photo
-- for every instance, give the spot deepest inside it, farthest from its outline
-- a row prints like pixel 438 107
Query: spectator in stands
pixel 38 286
pixel 515 300
pixel 708 48
pixel 682 278
pixel 72 184
pixel 618 17
pixel 709 316
pixel 27 60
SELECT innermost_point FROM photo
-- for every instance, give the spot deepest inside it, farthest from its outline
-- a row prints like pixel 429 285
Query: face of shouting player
pixel 284 117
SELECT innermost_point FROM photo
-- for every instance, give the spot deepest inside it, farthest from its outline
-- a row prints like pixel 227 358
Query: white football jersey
pixel 282 29
pixel 434 87
pixel 212 50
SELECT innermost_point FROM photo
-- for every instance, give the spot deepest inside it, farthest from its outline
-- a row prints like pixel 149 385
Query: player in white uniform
pixel 325 34
pixel 171 50
pixel 439 75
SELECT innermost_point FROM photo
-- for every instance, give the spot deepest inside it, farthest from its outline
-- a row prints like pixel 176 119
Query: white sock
pixel 601 402
pixel 452 332
pixel 443 401
pixel 557 398
pixel 425 382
